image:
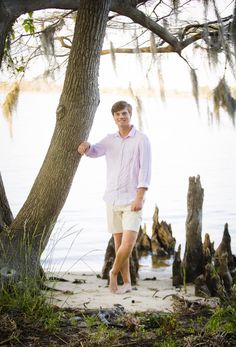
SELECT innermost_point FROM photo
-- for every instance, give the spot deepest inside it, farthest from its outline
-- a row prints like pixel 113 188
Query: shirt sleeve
pixel 97 150
pixel 145 159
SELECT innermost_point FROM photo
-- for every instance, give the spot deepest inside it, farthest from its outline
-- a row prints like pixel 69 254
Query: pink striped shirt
pixel 128 162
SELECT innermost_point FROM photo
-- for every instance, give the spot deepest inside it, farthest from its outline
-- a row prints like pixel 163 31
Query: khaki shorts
pixel 121 218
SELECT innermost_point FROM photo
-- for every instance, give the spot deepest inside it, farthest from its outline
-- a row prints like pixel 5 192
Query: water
pixel 183 145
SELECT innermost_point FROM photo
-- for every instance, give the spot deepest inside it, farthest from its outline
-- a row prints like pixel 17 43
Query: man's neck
pixel 125 131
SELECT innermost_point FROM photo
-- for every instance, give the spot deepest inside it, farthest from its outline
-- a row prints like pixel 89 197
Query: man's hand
pixel 137 204
pixel 83 147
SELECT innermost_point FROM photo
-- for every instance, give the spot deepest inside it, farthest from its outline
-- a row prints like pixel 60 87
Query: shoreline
pixel 86 290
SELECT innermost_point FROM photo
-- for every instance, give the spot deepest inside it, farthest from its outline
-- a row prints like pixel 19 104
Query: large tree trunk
pixel 193 257
pixel 6 22
pixel 29 233
pixel 6 216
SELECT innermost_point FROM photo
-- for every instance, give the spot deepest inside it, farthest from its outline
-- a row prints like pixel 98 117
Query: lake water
pixel 183 144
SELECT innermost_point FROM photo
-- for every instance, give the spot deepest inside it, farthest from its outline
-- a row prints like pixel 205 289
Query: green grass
pixel 31 303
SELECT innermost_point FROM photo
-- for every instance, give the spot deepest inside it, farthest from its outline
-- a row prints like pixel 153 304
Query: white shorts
pixel 121 218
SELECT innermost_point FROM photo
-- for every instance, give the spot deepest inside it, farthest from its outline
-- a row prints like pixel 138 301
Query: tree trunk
pixel 193 257
pixel 22 247
pixel 6 216
pixel 109 260
pixel 6 22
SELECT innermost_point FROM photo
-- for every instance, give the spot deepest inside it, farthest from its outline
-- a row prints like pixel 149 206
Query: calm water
pixel 183 145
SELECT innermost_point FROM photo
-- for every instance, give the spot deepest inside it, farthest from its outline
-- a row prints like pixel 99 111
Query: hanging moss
pixel 139 107
pixel 10 104
pixel 222 97
pixel 113 57
pixel 47 41
pixel 195 89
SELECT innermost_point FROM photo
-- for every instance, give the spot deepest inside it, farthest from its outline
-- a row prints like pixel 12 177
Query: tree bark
pixel 6 21
pixel 31 229
pixel 6 216
pixel 193 257
pixel 109 260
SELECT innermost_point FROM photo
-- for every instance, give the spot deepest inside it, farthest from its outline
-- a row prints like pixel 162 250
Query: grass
pixel 27 319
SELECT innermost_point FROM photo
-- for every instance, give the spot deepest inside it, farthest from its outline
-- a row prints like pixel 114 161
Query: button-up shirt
pixel 128 162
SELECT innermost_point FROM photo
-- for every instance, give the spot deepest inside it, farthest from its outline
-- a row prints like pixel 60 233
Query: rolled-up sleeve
pixel 97 150
pixel 145 162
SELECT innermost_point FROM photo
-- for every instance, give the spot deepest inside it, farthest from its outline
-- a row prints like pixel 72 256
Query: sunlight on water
pixel 183 145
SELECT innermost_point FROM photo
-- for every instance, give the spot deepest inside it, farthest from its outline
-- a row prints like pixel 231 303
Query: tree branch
pixel 140 18
pixel 17 8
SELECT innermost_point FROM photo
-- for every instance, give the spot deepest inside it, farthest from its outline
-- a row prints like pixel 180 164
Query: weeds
pixel 32 304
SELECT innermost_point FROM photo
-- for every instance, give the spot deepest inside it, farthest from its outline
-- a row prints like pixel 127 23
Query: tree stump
pixel 213 282
pixel 208 250
pixel 143 242
pixel 193 257
pixel 109 259
pixel 224 273
pixel 163 243
pixel 177 269
pixel 225 247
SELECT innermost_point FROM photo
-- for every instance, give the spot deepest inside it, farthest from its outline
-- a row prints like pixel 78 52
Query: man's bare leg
pixel 113 277
pixel 121 262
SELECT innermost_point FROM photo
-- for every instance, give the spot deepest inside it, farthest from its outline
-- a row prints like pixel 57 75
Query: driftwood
pixel 193 257
pixel 162 241
pixel 109 259
pixel 177 269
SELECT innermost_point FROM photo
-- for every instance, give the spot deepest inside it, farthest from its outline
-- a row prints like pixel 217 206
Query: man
pixel 128 159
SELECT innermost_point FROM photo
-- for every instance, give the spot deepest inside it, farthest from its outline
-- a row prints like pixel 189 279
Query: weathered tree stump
pixel 193 257
pixel 163 243
pixel 109 259
pixel 208 244
pixel 214 282
pixel 177 269
pixel 224 272
pixel 225 247
pixel 201 288
pixel 143 241
pixel 208 250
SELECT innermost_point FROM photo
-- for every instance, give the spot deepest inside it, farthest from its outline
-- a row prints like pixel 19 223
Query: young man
pixel 128 159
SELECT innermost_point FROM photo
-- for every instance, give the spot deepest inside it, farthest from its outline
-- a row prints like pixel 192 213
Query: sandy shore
pixel 87 290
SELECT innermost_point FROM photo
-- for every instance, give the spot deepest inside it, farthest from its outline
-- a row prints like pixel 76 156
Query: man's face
pixel 122 118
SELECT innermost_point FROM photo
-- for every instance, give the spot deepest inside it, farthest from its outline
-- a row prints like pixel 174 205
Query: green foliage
pixel 161 321
pixel 30 302
pixel 223 320
pixel 28 24
pixel 167 343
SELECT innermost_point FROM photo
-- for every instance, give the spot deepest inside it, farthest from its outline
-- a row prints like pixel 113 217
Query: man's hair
pixel 120 105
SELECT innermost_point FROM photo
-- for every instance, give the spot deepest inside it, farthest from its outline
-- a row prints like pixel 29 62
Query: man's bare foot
pixel 126 288
pixel 113 282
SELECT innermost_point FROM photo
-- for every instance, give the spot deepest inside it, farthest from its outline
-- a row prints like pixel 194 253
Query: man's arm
pixel 144 174
pixel 93 151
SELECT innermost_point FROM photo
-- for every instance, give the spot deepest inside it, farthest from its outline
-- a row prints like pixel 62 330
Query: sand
pixel 87 290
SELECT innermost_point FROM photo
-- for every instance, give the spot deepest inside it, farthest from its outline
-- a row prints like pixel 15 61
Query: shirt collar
pixel 130 134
